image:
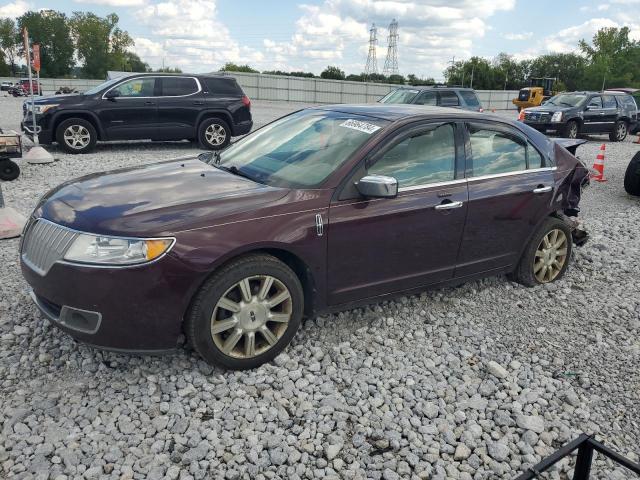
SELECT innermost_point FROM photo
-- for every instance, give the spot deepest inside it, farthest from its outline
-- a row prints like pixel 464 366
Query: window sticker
pixel 365 127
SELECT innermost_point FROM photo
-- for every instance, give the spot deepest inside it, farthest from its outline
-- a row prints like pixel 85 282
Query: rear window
pixel 222 86
pixel 609 101
pixel 176 86
pixel 449 99
pixel 470 98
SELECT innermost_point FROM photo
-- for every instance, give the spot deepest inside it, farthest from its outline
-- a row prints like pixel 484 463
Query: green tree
pixel 8 43
pixel 232 67
pixel 396 79
pixel 5 69
pixel 333 73
pixel 100 43
pixel 415 81
pixel 568 68
pixel 168 70
pixel 51 30
pixel 133 63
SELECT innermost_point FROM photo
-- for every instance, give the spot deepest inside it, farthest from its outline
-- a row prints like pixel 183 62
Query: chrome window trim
pixel 508 174
pixel 429 185
pixel 63 261
pixel 156 77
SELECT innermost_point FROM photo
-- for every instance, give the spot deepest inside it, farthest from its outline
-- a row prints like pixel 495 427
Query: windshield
pixel 300 150
pixel 401 95
pixel 567 100
pixel 98 88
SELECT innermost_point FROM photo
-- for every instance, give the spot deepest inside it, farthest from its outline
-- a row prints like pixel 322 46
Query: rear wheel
pixel 632 176
pixel 214 134
pixel 76 135
pixel 547 255
pixel 246 313
pixel 619 132
pixel 571 129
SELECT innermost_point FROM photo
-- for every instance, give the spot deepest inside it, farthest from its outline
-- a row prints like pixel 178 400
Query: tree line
pixel 98 43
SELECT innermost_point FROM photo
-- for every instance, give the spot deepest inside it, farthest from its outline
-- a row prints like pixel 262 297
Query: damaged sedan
pixel 321 210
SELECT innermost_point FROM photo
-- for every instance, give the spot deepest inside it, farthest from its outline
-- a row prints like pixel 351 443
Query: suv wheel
pixel 571 129
pixel 632 176
pixel 546 257
pixel 620 131
pixel 214 134
pixel 76 135
pixel 246 313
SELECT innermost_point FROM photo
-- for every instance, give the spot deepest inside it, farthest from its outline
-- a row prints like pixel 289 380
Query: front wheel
pixel 246 313
pixel 214 134
pixel 547 254
pixel 619 132
pixel 632 176
pixel 571 129
pixel 76 135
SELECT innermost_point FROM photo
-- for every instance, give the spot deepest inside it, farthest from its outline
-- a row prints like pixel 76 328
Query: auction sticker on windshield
pixel 360 126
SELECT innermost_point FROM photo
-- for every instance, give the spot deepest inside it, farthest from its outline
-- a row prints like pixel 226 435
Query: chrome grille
pixel 44 244
pixel 538 117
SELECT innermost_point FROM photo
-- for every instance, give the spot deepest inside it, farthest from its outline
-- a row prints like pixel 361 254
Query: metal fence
pixel 296 89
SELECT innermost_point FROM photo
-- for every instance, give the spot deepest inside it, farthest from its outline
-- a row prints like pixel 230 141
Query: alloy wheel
pixel 251 316
pixel 551 256
pixel 215 134
pixel 573 130
pixel 621 131
pixel 77 137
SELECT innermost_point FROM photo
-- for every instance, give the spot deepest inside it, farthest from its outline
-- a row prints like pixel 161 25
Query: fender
pixel 56 119
pixel 215 112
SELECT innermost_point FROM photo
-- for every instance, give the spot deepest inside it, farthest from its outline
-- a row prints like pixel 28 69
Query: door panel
pixel 383 245
pixel 594 116
pixel 178 107
pixel 133 114
pixel 501 216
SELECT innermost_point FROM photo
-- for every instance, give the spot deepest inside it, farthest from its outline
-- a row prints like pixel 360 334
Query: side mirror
pixel 378 186
pixel 111 95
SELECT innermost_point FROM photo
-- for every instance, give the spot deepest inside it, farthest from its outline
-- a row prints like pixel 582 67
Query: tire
pixel 620 131
pixel 632 176
pixel 235 330
pixel 9 170
pixel 214 134
pixel 571 129
pixel 85 140
pixel 527 272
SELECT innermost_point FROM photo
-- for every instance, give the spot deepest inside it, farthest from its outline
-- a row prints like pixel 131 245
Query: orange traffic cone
pixel 638 139
pixel 598 166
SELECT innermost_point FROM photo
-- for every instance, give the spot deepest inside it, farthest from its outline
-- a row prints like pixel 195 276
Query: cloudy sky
pixel 201 35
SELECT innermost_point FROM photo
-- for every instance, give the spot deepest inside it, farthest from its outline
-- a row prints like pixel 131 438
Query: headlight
pixel 556 117
pixel 103 250
pixel 40 109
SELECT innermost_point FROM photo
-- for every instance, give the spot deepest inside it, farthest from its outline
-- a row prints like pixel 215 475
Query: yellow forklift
pixel 539 90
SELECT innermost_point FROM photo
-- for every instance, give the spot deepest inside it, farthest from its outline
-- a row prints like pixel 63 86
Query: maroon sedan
pixel 323 209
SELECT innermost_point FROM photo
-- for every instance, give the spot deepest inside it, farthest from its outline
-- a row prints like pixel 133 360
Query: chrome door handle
pixel 542 189
pixel 448 205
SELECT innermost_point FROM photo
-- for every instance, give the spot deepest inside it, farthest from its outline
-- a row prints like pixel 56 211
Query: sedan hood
pixel 154 200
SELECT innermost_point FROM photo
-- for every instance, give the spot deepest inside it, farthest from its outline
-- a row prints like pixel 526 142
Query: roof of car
pixel 397 111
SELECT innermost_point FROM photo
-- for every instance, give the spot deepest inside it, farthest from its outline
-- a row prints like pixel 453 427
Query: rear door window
pixel 595 102
pixel 178 86
pixel 496 151
pixel 608 101
pixel 449 99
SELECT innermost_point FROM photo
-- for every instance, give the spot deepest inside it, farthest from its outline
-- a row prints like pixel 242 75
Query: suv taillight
pixel 246 101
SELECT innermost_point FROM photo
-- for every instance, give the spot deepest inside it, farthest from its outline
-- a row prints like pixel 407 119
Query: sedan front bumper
pixel 136 309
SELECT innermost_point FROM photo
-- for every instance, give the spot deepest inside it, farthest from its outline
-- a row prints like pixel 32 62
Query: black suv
pixel 210 109
pixel 571 114
pixel 440 96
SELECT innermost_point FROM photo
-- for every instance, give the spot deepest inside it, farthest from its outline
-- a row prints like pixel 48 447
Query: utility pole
pixel 453 63
pixel 391 62
pixel 473 66
pixel 372 63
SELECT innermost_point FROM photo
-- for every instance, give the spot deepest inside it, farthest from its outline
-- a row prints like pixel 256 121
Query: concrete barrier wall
pixel 295 89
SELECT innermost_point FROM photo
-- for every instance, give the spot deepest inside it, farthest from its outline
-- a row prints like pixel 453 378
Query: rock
pixel 497 370
pixel 533 423
pixel 331 451
pixel 462 452
pixel 498 451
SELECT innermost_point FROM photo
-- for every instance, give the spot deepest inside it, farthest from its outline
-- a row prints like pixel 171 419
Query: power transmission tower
pixel 391 62
pixel 372 63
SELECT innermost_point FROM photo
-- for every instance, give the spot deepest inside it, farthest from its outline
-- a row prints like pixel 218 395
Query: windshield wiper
pixel 234 170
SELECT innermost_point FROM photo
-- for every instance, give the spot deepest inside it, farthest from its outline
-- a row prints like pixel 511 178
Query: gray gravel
pixel 474 382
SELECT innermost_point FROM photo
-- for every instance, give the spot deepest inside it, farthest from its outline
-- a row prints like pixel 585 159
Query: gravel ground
pixel 479 381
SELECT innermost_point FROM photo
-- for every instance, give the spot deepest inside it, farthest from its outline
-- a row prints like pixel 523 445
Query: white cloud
pixel 15 9
pixel 518 36
pixel 114 3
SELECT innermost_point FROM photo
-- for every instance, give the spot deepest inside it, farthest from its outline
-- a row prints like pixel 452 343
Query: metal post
pixel 583 462
pixel 33 110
